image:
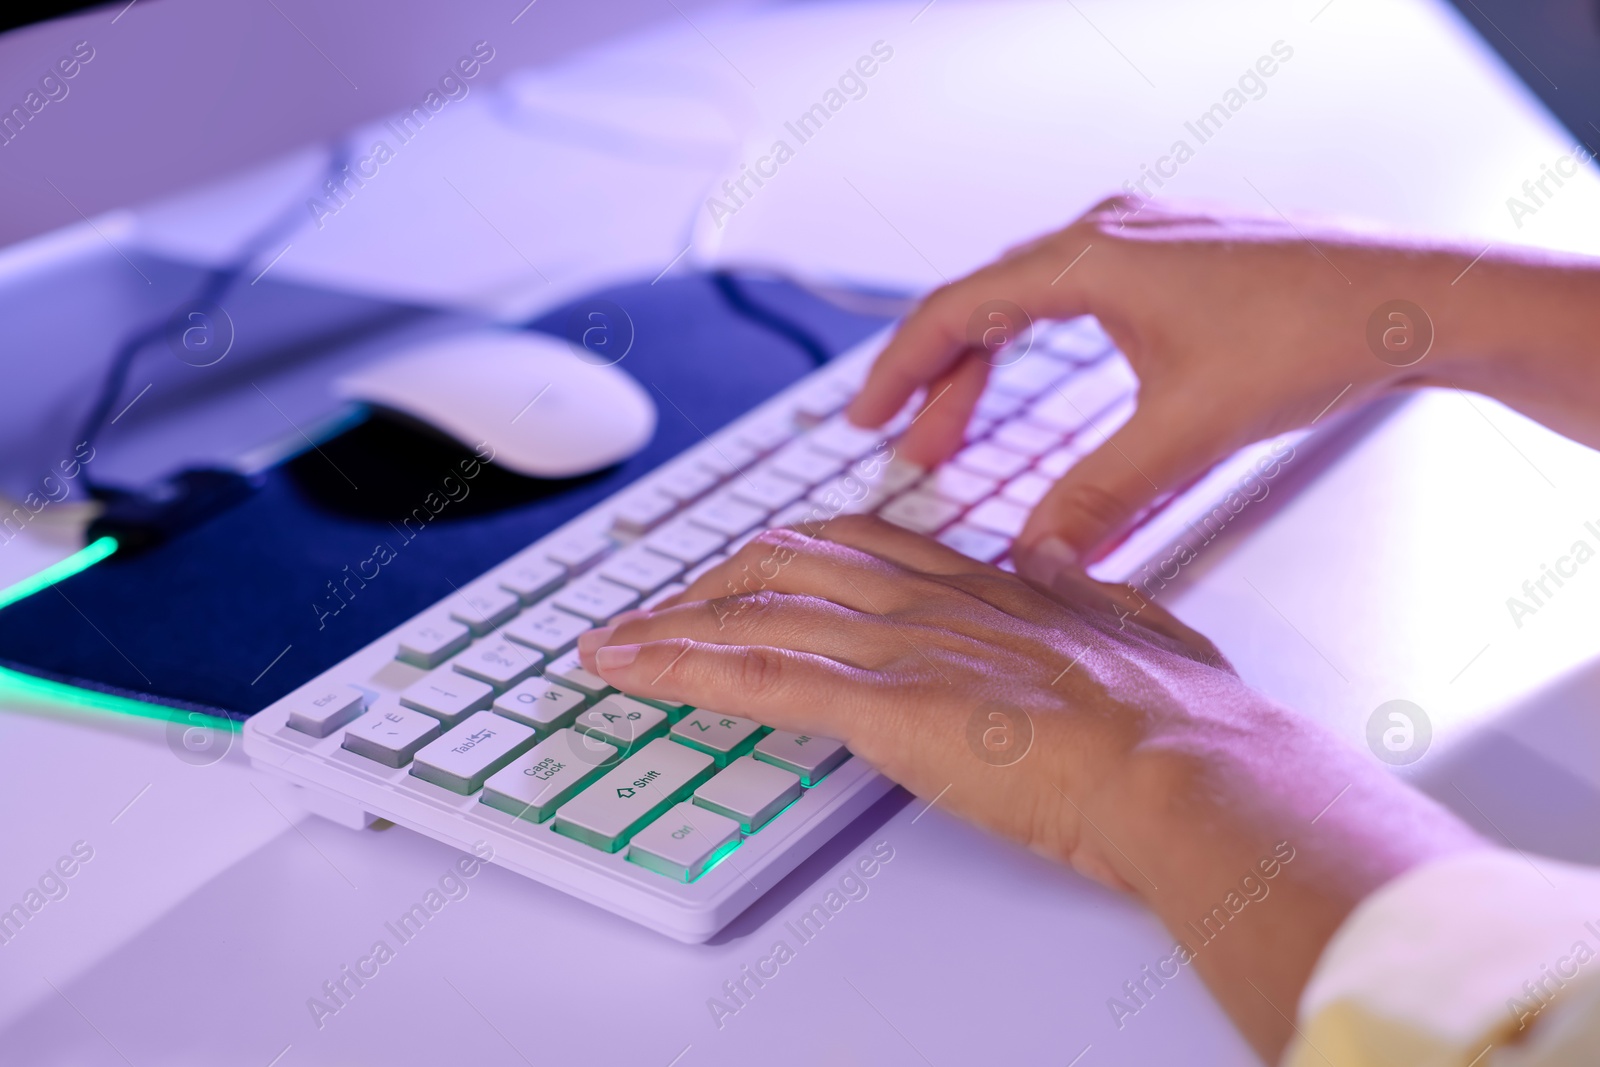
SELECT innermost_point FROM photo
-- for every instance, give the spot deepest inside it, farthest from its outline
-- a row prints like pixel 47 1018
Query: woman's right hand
pixel 1239 329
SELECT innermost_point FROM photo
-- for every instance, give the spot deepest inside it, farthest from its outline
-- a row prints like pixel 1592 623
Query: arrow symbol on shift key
pixel 625 792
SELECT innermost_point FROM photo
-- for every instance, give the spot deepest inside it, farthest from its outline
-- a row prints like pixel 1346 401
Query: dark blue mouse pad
pixel 229 616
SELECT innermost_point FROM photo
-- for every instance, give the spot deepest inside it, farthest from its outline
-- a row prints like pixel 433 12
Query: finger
pixel 938 429
pixel 1167 442
pixel 788 561
pixel 885 540
pixel 934 337
pixel 800 623
pixel 788 690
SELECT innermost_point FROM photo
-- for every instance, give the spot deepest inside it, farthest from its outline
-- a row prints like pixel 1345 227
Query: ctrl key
pixel 390 735
pixel 684 842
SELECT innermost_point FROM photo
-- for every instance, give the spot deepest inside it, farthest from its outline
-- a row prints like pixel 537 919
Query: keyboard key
pixel 546 628
pixel 764 435
pixel 1026 438
pixel 647 783
pixel 806 464
pixel 536 783
pixel 685 541
pixel 319 712
pixel 726 515
pixel 997 405
pixel 568 669
pixel 576 551
pixel 1058 462
pixel 977 544
pixel 428 644
pixel 809 757
pixel 1079 340
pixel 447 695
pixel 1073 405
pixel 702 567
pixel 920 511
pixel 722 737
pixel 992 460
pixel 641 569
pixel 623 721
pixel 766 488
pixel 960 485
pixel 533 579
pixel 822 400
pixel 750 791
pixel 595 598
pixel 893 477
pixel 500 663
pixel 639 510
pixel 803 511
pixel 466 755
pixel 541 704
pixel 840 437
pixel 1027 488
pixel 684 842
pixel 848 494
pixel 728 458
pixel 684 482
pixel 999 516
pixel 649 603
pixel 390 735
pixel 481 608
pixel 1027 377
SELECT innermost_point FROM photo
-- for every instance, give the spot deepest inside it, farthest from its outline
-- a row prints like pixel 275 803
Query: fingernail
pixel 1046 559
pixel 593 639
pixel 615 657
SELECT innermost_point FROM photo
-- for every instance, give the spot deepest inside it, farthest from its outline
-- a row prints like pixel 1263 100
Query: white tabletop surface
pixel 212 910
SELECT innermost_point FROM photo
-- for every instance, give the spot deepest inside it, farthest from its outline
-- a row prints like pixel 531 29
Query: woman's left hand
pixel 940 671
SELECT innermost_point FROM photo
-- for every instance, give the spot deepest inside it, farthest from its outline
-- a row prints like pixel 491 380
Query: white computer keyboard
pixel 474 722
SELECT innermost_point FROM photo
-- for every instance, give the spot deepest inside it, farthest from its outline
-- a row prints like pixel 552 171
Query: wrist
pixel 1519 326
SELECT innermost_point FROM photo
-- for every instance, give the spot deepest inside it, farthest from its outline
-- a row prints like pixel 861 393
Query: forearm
pixel 1253 847
pixel 1521 326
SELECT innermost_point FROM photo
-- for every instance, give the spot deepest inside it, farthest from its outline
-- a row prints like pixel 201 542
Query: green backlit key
pixel 749 791
pixel 684 842
pixel 809 757
pixel 608 813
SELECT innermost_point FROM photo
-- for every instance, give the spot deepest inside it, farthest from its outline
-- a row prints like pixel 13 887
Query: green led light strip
pixel 25 688
pixel 80 560
pixel 16 687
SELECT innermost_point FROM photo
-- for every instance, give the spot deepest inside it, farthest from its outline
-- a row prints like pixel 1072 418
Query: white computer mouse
pixel 545 412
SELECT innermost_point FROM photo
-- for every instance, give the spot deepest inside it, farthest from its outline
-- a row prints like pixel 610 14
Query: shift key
pixel 659 775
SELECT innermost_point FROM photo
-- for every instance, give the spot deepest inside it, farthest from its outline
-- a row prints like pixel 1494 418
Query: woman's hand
pixel 941 671
pixel 1125 747
pixel 1241 329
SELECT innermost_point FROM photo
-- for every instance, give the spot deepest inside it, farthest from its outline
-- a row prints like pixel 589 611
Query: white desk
pixel 211 911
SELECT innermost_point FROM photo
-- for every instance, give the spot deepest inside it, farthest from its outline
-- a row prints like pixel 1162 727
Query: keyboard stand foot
pixel 331 807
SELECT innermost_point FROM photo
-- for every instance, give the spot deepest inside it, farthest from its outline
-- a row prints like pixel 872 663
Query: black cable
pixel 216 285
pixel 143 517
pixel 739 302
